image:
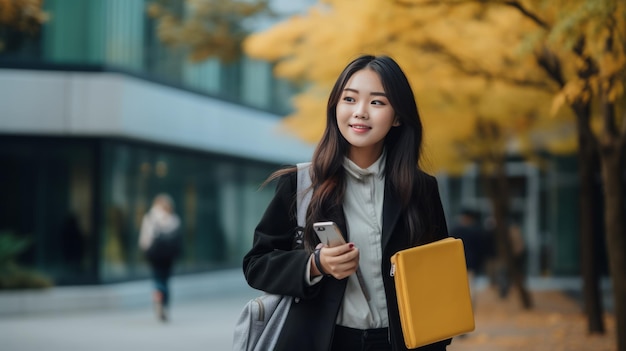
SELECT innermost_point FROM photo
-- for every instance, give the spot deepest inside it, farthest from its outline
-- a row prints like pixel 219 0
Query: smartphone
pixel 329 233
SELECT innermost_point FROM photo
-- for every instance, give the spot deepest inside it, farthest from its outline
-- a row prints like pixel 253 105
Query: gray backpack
pixel 262 318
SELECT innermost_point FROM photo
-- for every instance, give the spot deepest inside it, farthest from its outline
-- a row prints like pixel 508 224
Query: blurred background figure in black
pixel 490 264
pixel 469 229
pixel 518 250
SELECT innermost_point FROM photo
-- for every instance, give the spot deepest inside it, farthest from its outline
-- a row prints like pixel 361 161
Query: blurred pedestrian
pixel 490 254
pixel 518 247
pixel 365 178
pixel 469 230
pixel 161 241
pixel 518 251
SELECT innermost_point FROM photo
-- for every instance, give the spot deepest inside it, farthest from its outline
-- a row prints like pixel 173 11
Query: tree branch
pixel 550 63
pixel 590 67
pixel 608 107
pixel 410 3
pixel 608 116
pixel 511 3
pixel 524 11
pixel 474 70
pixel 622 134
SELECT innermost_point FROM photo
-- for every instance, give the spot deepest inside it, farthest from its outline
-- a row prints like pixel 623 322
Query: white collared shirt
pixel 363 209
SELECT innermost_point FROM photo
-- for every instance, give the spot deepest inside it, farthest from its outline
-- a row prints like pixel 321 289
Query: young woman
pixel 159 222
pixel 366 178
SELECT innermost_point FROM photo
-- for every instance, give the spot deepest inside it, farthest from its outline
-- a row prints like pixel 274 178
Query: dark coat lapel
pixel 391 213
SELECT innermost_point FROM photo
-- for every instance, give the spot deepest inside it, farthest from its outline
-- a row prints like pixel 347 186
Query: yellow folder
pixel 433 292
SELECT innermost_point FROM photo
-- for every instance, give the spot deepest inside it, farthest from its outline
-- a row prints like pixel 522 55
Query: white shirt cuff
pixel 307 275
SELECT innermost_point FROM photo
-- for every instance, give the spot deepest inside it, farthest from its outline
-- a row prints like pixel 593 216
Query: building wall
pixel 97 117
pixel 118 33
pixel 80 201
pixel 114 104
pixel 87 151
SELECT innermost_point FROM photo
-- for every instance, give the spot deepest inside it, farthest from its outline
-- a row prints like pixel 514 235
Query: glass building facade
pixel 77 187
pixel 81 201
pixel 118 34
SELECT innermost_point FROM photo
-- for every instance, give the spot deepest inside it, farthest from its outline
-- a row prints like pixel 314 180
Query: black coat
pixel 273 267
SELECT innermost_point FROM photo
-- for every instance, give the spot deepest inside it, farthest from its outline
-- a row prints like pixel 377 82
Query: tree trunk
pixel 612 152
pixel 589 262
pixel 615 237
pixel 499 193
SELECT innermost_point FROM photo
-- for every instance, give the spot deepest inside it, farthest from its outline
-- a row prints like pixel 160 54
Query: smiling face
pixel 365 116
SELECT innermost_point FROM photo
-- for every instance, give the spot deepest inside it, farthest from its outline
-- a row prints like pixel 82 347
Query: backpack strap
pixel 303 192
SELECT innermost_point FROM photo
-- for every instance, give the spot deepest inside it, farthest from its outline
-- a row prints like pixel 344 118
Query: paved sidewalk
pixel 203 324
pixel 135 294
pixel 189 287
pixel 213 300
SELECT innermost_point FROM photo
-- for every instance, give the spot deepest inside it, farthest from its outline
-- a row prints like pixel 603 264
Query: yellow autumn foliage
pixel 23 15
pixel 206 28
pixel 466 60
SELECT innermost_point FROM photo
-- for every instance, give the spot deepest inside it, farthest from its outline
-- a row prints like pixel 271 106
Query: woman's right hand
pixel 339 261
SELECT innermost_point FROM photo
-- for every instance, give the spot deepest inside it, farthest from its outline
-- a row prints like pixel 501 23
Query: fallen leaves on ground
pixel 555 323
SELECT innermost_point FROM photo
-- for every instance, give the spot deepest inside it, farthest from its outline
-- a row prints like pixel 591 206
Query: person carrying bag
pixel 160 239
pixel 365 177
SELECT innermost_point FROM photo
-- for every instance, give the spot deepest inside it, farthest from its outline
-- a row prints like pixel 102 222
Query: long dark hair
pixel 402 143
